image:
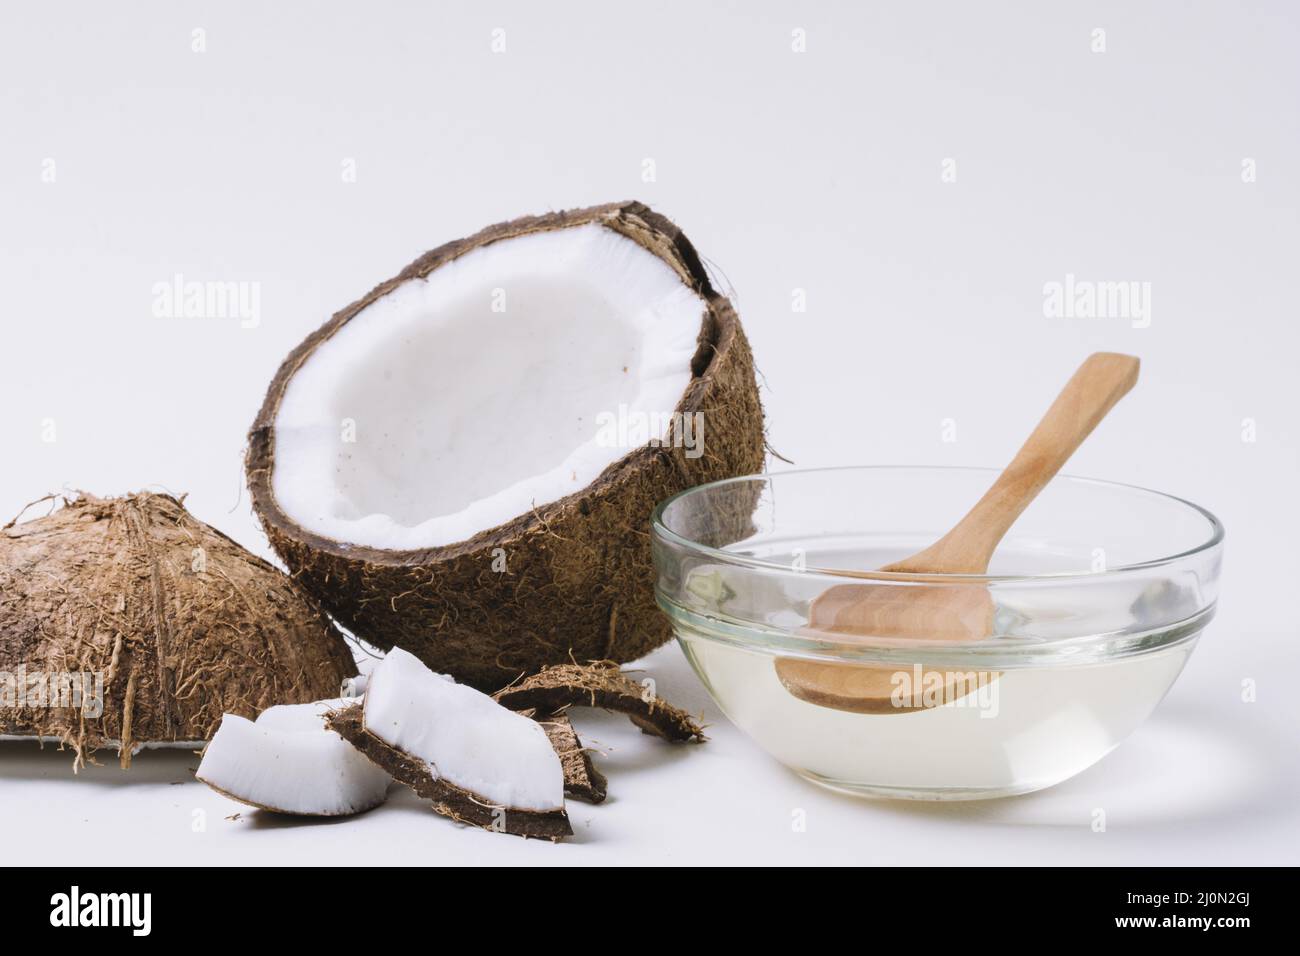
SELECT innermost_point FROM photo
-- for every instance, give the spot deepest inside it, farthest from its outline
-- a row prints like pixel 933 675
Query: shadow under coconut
pixel 260 819
pixel 30 760
pixel 619 749
pixel 405 801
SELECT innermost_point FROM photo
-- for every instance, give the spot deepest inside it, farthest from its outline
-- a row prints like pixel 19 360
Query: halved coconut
pixel 288 762
pixel 463 462
pixel 126 622
pixel 477 761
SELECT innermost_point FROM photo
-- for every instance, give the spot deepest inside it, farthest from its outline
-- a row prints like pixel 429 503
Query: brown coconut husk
pixel 447 798
pixel 600 684
pixel 181 623
pixel 582 780
pixel 580 582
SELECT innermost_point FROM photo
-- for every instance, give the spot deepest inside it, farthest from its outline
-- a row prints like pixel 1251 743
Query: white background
pixel 817 171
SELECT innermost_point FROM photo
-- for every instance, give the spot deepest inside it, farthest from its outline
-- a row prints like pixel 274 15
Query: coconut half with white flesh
pixel 286 761
pixel 477 761
pixel 463 462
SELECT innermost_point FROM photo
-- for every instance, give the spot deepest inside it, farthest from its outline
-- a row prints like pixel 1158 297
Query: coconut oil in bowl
pixel 1100 593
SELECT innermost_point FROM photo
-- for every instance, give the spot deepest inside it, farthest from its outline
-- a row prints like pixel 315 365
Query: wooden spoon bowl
pixel 932 610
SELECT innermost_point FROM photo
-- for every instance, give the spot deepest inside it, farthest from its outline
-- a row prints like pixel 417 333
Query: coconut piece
pixel 477 761
pixel 476 744
pixel 596 341
pixel 447 799
pixel 172 623
pixel 287 762
pixel 600 684
pixel 299 718
pixel 582 780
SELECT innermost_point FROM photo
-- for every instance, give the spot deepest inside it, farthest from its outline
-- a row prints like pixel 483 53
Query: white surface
pixel 470 397
pixel 463 735
pixel 816 171
pixel 1202 781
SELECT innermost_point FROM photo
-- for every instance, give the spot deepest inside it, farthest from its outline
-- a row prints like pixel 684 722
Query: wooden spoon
pixel 950 612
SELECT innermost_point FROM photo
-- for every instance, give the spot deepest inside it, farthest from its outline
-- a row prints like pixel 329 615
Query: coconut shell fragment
pixel 582 780
pixel 600 684
pixel 567 578
pixel 447 799
pixel 162 622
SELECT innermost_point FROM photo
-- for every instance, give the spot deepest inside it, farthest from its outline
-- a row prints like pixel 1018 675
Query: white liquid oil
pixel 1037 722
pixel 1027 729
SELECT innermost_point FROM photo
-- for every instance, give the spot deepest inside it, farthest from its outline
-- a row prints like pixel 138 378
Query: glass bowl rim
pixel 661 530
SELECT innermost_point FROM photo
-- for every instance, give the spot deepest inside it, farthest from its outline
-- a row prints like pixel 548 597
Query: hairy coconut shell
pixel 600 684
pixel 180 622
pixel 582 780
pixel 579 584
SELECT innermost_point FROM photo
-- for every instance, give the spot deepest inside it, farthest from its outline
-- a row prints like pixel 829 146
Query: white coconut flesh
pixel 289 762
pixel 464 736
pixel 509 378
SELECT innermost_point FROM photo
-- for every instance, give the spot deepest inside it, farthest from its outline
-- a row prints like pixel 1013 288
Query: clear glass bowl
pixel 1099 593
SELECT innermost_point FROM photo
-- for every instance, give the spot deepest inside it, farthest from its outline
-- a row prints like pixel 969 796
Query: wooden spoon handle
pixel 1101 381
